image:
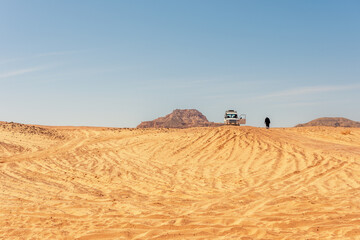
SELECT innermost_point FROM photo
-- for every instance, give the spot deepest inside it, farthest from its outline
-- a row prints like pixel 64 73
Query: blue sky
pixel 117 63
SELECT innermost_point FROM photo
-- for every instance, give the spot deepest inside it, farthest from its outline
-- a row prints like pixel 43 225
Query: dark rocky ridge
pixel 331 122
pixel 180 118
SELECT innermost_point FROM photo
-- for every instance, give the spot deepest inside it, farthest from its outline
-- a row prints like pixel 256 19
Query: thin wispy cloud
pixel 58 53
pixel 40 55
pixel 310 90
pixel 10 60
pixel 19 72
pixel 302 104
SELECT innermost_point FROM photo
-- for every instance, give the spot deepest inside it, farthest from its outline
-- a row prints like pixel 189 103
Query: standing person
pixel 267 122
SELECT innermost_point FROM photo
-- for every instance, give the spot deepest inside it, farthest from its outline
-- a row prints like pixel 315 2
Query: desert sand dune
pixel 197 183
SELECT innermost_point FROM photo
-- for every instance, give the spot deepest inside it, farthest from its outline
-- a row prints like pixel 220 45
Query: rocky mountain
pixel 180 118
pixel 331 122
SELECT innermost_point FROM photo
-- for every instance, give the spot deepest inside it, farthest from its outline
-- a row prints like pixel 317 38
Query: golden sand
pixel 198 183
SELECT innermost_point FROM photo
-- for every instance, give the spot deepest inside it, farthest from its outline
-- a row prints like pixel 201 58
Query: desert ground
pixel 197 183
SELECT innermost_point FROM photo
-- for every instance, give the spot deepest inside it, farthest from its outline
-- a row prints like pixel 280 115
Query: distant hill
pixel 29 130
pixel 180 118
pixel 331 122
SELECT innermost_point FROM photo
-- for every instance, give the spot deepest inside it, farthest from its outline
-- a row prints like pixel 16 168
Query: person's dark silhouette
pixel 267 122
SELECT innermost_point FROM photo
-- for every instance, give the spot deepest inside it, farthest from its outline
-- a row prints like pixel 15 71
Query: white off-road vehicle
pixel 233 118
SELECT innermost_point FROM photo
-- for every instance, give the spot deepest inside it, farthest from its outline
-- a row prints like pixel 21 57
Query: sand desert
pixel 198 183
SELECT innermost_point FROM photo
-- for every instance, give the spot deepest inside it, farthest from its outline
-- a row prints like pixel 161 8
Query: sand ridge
pixel 197 183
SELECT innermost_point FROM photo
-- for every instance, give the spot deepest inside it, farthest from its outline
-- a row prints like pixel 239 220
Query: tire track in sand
pixel 200 183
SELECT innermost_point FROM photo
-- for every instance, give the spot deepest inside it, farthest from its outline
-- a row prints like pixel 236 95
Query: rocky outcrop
pixel 331 122
pixel 180 118
pixel 30 130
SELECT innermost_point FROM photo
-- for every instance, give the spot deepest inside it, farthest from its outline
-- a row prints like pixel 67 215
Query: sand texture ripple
pixel 197 183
